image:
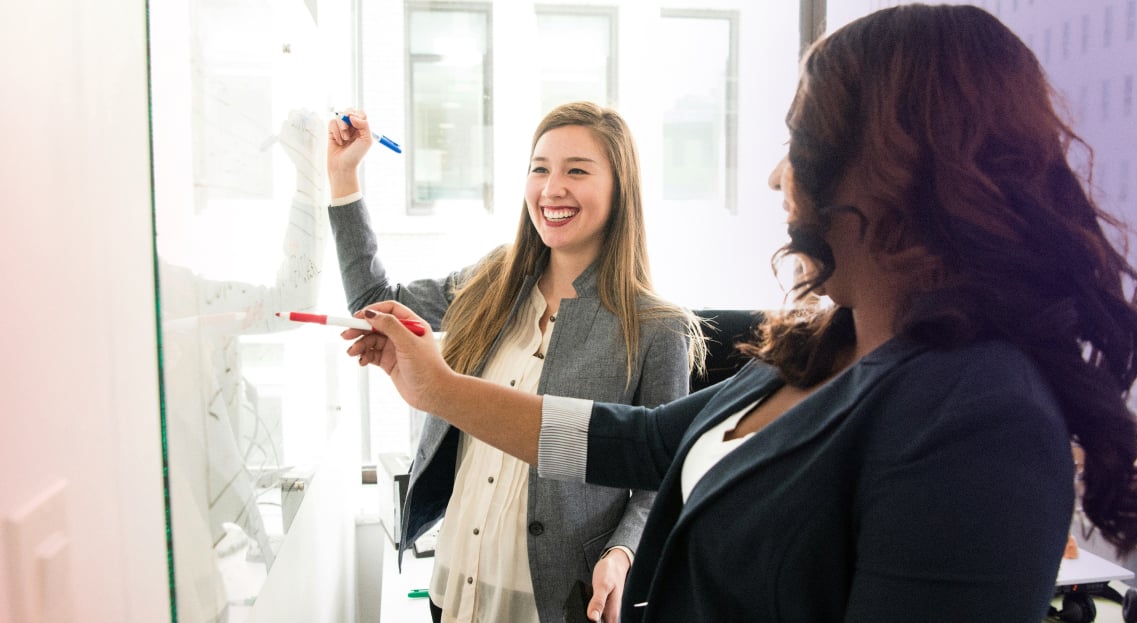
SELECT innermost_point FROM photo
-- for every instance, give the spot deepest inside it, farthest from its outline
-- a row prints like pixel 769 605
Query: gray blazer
pixel 570 524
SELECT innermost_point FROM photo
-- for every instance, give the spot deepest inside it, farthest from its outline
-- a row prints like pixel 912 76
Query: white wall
pixel 77 323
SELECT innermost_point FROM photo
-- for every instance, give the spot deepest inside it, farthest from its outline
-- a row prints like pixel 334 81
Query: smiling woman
pixel 568 307
pixel 461 85
pixel 981 320
pixel 569 193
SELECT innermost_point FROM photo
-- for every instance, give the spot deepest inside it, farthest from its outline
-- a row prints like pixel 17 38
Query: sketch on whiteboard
pixel 224 435
pixel 230 165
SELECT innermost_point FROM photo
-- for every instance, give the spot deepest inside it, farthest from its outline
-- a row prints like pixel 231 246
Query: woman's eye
pixel 578 172
pixel 539 170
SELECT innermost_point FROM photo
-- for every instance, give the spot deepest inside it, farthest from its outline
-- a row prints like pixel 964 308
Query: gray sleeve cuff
pixel 562 451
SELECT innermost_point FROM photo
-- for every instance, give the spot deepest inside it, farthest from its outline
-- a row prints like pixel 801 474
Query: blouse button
pixel 476 532
pixel 512 382
pixel 491 480
pixel 552 318
pixel 470 580
pixel 540 355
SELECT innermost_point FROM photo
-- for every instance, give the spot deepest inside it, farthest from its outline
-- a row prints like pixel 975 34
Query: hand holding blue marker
pixel 383 140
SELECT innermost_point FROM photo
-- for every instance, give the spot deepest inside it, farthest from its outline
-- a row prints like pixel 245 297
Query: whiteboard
pixel 240 102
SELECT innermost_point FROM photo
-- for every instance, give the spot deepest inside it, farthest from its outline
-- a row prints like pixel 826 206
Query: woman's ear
pixel 915 259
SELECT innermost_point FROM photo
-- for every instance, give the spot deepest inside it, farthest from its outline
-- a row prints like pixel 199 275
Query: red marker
pixel 351 323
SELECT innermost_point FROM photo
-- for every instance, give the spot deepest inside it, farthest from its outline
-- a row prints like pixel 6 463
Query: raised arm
pixel 362 273
pixel 347 145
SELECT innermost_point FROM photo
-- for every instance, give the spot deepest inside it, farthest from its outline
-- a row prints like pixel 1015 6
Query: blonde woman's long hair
pixel 483 303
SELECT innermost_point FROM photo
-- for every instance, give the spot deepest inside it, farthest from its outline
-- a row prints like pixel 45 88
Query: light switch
pixel 39 559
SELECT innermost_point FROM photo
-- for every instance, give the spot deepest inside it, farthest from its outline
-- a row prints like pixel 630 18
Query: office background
pixel 82 489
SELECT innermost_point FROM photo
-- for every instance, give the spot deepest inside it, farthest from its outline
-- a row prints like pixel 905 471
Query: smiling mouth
pixel 558 214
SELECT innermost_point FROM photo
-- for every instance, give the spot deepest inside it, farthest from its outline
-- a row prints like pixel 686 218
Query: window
pixel 1127 97
pixel 1123 191
pixel 1106 95
pixel 1131 20
pixel 458 189
pixel 1085 33
pixel 1107 34
pixel 1065 40
pixel 699 106
pixel 578 56
pixel 451 117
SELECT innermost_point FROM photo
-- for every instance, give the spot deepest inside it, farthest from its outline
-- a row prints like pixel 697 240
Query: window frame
pixel 415 207
pixel 730 120
pixel 612 12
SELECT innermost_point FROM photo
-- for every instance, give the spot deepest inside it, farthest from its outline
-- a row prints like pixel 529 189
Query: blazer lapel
pixel 819 412
pixel 747 386
pixel 813 416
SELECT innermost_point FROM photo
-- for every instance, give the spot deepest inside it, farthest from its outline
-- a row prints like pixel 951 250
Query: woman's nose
pixel 554 186
pixel 775 179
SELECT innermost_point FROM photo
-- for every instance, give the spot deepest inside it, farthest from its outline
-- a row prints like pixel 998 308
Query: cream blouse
pixel 481 567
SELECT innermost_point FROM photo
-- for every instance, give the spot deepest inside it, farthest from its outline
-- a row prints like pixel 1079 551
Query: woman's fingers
pixel 341 132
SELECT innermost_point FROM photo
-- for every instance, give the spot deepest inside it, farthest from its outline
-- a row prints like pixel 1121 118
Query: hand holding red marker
pixel 351 323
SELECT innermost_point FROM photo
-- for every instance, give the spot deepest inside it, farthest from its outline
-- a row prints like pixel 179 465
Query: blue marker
pixel 383 140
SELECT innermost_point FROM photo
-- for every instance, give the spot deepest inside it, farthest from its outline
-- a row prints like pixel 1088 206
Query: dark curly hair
pixel 970 159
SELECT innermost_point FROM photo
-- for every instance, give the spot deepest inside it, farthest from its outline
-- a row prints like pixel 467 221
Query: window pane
pixel 449 111
pixel 696 104
pixel 576 59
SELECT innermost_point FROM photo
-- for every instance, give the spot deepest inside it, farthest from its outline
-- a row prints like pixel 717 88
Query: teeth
pixel 559 214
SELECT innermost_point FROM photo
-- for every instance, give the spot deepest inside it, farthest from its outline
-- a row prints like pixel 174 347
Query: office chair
pixel 724 328
pixel 1079 607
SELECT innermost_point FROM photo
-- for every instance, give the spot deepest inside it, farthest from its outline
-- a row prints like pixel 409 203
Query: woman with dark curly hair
pixel 903 454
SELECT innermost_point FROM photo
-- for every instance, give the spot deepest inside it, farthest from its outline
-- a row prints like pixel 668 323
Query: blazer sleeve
pixel 632 446
pixel 665 377
pixel 365 278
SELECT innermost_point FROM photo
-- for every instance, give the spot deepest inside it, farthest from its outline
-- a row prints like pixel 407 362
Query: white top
pixel 709 449
pixel 481 568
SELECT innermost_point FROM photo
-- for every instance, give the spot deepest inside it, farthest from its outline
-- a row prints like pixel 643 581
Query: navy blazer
pixel 918 485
